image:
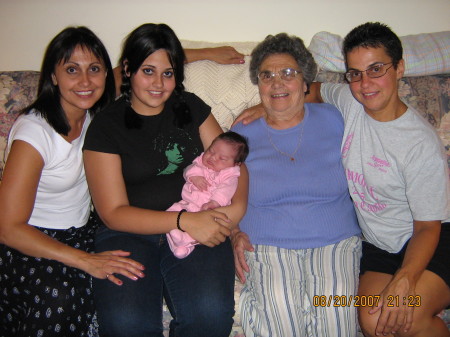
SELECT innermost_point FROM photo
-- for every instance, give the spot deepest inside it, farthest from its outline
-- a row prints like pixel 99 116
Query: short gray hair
pixel 282 43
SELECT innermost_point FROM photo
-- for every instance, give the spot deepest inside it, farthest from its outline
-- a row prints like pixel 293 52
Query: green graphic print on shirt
pixel 175 147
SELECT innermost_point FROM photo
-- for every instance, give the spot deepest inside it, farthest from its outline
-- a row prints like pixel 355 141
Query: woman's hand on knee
pixel 105 264
pixel 396 315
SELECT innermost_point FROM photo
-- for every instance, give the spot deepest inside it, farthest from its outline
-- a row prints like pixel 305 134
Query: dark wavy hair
pixel 60 49
pixel 141 43
pixel 374 35
pixel 282 43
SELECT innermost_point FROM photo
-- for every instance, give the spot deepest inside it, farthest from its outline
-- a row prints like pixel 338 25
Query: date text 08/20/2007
pixel 364 301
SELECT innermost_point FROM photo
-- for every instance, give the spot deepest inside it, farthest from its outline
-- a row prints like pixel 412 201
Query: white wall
pixel 26 26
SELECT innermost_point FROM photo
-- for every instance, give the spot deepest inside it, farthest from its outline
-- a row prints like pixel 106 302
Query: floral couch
pixel 228 90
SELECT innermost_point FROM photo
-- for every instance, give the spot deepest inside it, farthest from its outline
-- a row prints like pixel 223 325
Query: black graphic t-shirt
pixel 153 151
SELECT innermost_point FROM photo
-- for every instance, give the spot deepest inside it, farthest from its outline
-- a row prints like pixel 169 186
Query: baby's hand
pixel 210 205
pixel 200 182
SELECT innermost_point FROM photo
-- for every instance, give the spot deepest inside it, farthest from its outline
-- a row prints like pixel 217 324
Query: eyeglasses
pixel 287 74
pixel 375 71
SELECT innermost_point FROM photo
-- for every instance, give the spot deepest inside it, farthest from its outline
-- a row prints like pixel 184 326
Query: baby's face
pixel 220 155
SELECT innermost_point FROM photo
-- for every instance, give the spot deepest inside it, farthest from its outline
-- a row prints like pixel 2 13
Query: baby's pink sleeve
pixel 194 170
pixel 227 183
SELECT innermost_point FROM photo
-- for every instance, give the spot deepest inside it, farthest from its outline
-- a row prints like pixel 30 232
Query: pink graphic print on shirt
pixel 379 164
pixel 359 188
pixel 346 147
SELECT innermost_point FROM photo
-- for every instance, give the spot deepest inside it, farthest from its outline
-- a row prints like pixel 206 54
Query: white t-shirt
pixel 396 171
pixel 62 199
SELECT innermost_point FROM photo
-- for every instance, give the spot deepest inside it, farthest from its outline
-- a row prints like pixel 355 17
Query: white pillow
pixel 426 54
pixel 227 89
pixel 326 49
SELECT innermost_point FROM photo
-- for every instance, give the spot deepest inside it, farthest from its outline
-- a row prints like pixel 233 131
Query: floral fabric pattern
pixel 17 90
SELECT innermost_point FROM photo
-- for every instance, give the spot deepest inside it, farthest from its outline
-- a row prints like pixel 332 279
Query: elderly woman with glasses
pixel 300 234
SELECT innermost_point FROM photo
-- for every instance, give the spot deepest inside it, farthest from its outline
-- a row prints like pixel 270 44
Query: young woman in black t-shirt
pixel 135 153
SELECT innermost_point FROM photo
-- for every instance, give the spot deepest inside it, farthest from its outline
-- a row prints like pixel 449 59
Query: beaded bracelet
pixel 178 219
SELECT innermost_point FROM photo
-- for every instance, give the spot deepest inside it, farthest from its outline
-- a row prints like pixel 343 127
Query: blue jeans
pixel 199 290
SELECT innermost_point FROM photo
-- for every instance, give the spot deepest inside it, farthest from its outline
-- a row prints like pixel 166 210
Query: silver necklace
pixel 290 155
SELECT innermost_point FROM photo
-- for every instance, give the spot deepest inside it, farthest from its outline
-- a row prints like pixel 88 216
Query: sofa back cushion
pixel 17 90
pixel 227 89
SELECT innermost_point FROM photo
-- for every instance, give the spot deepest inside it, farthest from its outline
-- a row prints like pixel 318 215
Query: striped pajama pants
pixel 301 292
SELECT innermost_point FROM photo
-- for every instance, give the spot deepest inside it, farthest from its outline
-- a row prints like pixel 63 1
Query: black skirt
pixel 41 297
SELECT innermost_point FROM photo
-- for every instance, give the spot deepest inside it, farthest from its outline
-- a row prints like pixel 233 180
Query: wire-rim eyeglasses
pixel 374 71
pixel 287 74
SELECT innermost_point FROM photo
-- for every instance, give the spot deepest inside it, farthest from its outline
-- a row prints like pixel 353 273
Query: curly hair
pixel 282 43
pixel 374 35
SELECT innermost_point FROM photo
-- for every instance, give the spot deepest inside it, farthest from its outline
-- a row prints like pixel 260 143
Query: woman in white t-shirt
pixel 46 232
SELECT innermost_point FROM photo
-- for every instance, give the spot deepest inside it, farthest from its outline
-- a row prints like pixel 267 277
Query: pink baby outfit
pixel 222 187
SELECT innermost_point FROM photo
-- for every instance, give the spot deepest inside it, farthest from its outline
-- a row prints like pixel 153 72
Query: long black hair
pixel 60 49
pixel 141 43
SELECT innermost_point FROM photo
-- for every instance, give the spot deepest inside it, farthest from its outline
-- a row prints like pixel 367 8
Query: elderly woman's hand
pixel 241 243
pixel 251 114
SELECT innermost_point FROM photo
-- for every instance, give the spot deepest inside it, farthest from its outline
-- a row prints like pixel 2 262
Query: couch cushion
pixel 17 90
pixel 226 88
